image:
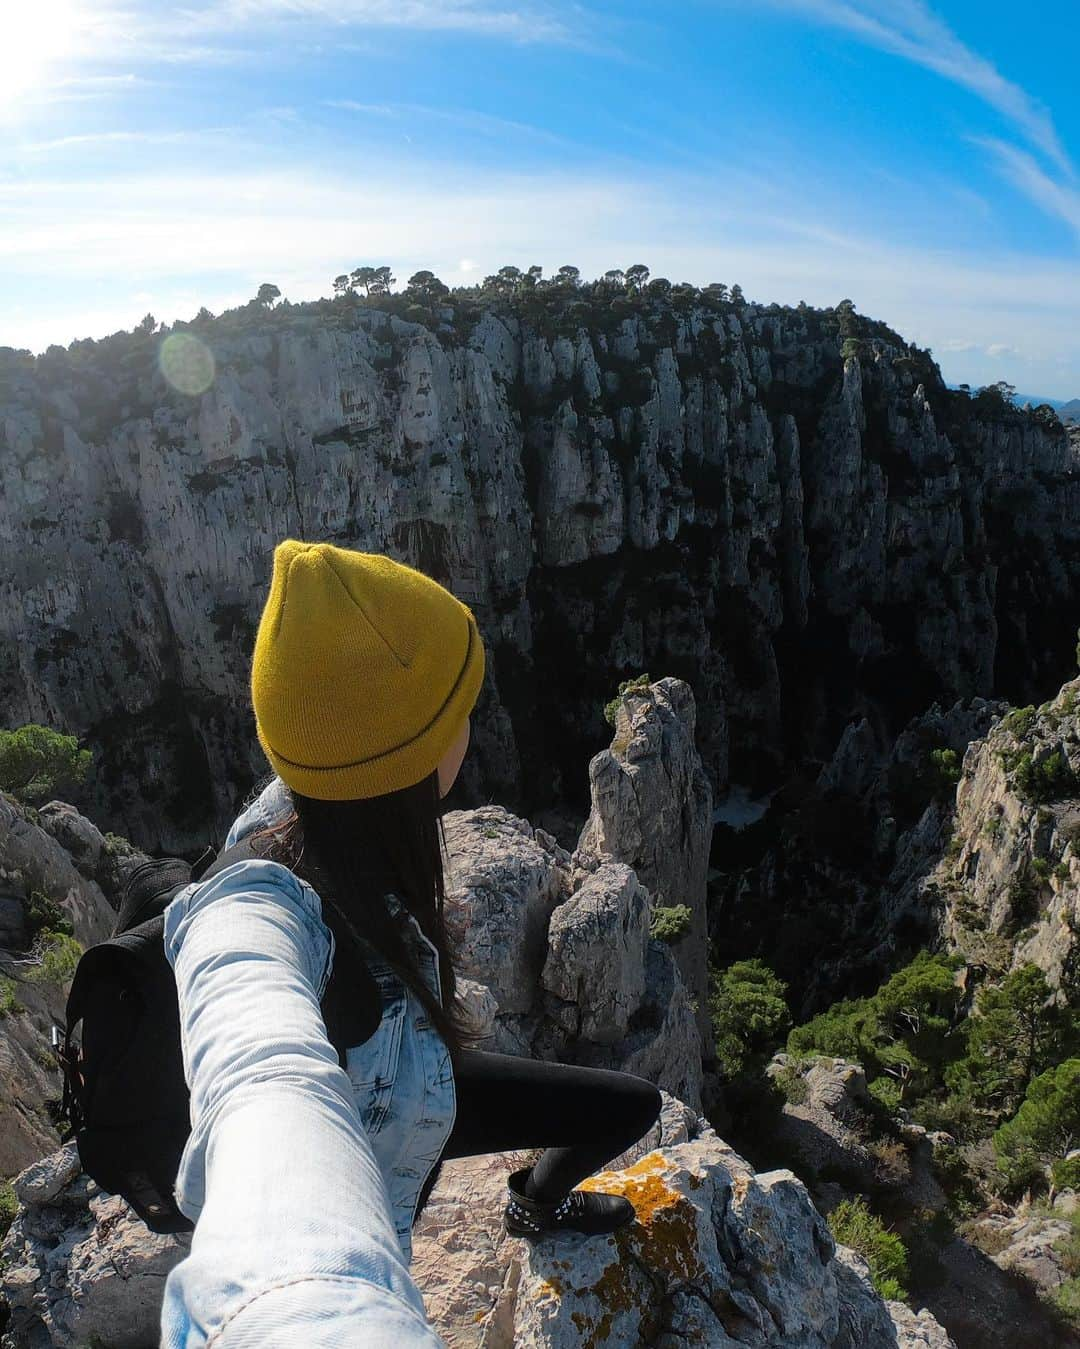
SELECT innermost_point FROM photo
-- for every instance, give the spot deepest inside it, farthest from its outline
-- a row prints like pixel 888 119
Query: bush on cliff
pixel 627 686
pixel 852 1224
pixel 670 923
pixel 60 955
pixel 37 764
pixel 9 1206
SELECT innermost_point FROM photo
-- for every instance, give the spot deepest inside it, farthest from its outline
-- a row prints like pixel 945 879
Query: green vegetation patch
pixel 627 686
pixel 853 1224
pixel 38 764
pixel 670 923
pixel 9 1206
pixel 750 1016
pixel 59 958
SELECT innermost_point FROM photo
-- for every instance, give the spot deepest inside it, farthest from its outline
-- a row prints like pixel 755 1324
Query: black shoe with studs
pixel 580 1211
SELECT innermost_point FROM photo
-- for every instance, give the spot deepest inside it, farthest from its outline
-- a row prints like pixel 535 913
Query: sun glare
pixel 39 36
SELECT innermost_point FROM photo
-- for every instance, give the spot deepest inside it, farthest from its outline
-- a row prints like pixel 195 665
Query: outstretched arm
pixel 293 1242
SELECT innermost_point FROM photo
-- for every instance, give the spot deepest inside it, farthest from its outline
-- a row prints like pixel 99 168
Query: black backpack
pixel 125 1099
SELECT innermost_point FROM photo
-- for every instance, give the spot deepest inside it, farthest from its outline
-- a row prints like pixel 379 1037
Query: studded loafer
pixel 580 1211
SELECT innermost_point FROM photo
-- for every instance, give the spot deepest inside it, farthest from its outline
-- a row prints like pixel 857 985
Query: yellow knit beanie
pixel 363 673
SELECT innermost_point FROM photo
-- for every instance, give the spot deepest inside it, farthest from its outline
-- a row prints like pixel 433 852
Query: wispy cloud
pixel 224 30
pixel 909 28
pixel 524 23
pixel 468 119
pixel 1023 171
pixel 96 138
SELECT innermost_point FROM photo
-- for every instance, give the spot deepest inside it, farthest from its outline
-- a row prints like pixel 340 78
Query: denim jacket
pixel 302 1179
pixel 402 1077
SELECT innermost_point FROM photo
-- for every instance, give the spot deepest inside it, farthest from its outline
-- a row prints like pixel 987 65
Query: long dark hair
pixel 353 852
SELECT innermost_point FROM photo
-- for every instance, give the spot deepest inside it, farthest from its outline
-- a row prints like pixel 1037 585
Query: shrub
pixel 1065 1173
pixel 892 1165
pixel 852 1224
pixel 886 1091
pixel 1043 1128
pixel 59 958
pixel 9 1206
pixel 627 686
pixel 749 1014
pixel 1023 898
pixel 116 845
pixel 926 1238
pixel 9 1003
pixel 956 1114
pixel 1049 780
pixel 43 915
pixel 37 764
pixel 792 1084
pixel 944 771
pixel 1019 721
pixel 670 923
pixel 958 1181
pixel 1066 1300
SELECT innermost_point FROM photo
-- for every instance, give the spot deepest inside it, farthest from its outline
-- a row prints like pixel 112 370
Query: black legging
pixel 582 1116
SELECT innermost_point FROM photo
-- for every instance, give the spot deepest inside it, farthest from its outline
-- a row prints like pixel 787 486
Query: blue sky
pixel 918 158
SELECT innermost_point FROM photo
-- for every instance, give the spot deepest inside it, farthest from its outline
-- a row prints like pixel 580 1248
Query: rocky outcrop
pixel 572 971
pixel 32 859
pixel 561 941
pixel 79 1266
pixel 35 869
pixel 1027 1244
pixel 611 484
pixel 836 1141
pixel 652 809
pixel 718 1256
pixel 1009 885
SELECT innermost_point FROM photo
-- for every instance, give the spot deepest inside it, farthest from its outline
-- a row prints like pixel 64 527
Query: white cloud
pixel 188 239
pixel 466 118
pixel 909 28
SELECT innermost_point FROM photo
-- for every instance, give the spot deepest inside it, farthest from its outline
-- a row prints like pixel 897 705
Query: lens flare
pixel 187 363
pixel 37 39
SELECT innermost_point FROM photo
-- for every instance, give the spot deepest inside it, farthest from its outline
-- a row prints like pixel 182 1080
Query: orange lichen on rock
pixel 666 1232
pixel 552 1286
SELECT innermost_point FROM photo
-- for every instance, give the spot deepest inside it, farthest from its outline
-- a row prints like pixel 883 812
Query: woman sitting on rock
pixel 305 1178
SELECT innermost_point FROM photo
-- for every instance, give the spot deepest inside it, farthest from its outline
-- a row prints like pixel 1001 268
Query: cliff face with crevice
pixel 711 491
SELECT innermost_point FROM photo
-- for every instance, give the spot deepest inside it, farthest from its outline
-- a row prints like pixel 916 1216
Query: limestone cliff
pixel 612 486
pixel 1008 888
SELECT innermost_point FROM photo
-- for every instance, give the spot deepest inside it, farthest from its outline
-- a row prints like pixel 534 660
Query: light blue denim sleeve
pixel 294 1242
pixel 271 804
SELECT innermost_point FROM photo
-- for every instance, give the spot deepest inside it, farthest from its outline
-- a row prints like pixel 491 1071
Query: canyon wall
pixel 711 492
